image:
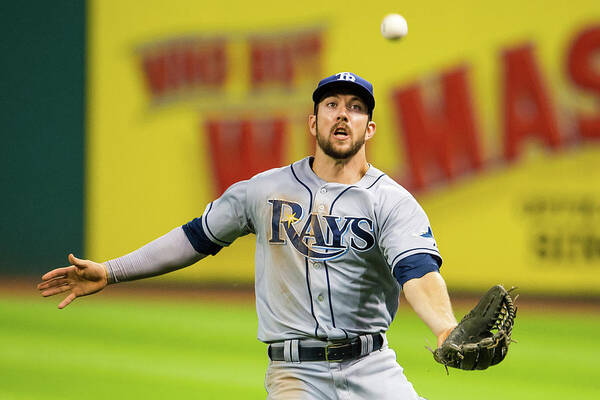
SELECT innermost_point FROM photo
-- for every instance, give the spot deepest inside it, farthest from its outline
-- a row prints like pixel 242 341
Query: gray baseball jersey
pixel 324 251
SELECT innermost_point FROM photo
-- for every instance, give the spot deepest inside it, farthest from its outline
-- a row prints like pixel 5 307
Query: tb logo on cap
pixel 346 76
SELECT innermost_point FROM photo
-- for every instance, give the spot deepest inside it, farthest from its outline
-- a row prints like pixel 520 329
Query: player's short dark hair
pixel 342 90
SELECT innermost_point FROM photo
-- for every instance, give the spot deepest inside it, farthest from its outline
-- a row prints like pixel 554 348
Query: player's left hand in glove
pixel 482 337
pixel 82 277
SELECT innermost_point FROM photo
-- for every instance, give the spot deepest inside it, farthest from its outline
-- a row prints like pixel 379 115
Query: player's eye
pixel 331 104
pixel 356 107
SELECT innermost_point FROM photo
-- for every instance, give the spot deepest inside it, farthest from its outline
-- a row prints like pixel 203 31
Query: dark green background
pixel 42 75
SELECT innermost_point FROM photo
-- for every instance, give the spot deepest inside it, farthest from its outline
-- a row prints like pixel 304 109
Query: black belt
pixel 329 352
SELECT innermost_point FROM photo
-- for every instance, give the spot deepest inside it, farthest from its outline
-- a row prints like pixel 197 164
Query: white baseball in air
pixel 394 27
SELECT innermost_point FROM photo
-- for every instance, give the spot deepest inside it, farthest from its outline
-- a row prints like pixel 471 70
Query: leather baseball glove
pixel 482 337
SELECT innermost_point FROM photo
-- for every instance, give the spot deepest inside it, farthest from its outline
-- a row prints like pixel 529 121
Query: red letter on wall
pixel 586 74
pixel 446 138
pixel 528 110
pixel 271 62
pixel 240 149
pixel 155 69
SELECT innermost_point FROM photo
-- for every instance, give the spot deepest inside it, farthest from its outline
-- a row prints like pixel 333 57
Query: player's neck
pixel 347 172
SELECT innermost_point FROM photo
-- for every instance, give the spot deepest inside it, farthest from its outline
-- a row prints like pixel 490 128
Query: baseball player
pixel 336 240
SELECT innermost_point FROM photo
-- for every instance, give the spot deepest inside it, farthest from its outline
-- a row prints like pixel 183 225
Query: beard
pixel 339 154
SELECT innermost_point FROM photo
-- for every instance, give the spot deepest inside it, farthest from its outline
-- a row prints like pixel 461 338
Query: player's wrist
pixel 106 274
pixel 444 334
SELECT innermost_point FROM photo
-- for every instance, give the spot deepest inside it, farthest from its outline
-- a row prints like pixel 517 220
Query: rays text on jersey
pixel 310 241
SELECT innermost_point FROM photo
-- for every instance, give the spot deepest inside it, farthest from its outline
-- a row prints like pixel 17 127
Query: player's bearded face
pixel 341 126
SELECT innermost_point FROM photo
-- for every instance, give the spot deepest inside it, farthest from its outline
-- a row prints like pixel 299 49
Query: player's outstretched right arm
pixel 83 277
pixel 182 246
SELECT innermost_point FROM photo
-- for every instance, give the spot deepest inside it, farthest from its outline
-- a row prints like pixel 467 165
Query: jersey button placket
pixel 320 200
pixel 318 278
pixel 319 287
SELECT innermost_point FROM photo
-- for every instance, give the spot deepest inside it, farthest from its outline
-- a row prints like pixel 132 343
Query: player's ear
pixel 371 128
pixel 312 124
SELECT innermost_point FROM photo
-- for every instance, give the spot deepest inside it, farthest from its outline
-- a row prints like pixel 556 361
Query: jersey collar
pixel 311 178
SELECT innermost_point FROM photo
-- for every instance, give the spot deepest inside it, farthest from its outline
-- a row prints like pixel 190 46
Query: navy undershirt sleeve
pixel 415 266
pixel 200 242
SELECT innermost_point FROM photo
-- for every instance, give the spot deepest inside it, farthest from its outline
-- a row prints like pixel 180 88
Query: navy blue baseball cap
pixel 360 86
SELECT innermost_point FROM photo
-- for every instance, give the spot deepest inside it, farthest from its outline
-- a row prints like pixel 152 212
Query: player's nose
pixel 342 113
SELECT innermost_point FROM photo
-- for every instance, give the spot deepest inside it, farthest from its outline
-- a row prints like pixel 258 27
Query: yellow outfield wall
pixel 185 97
